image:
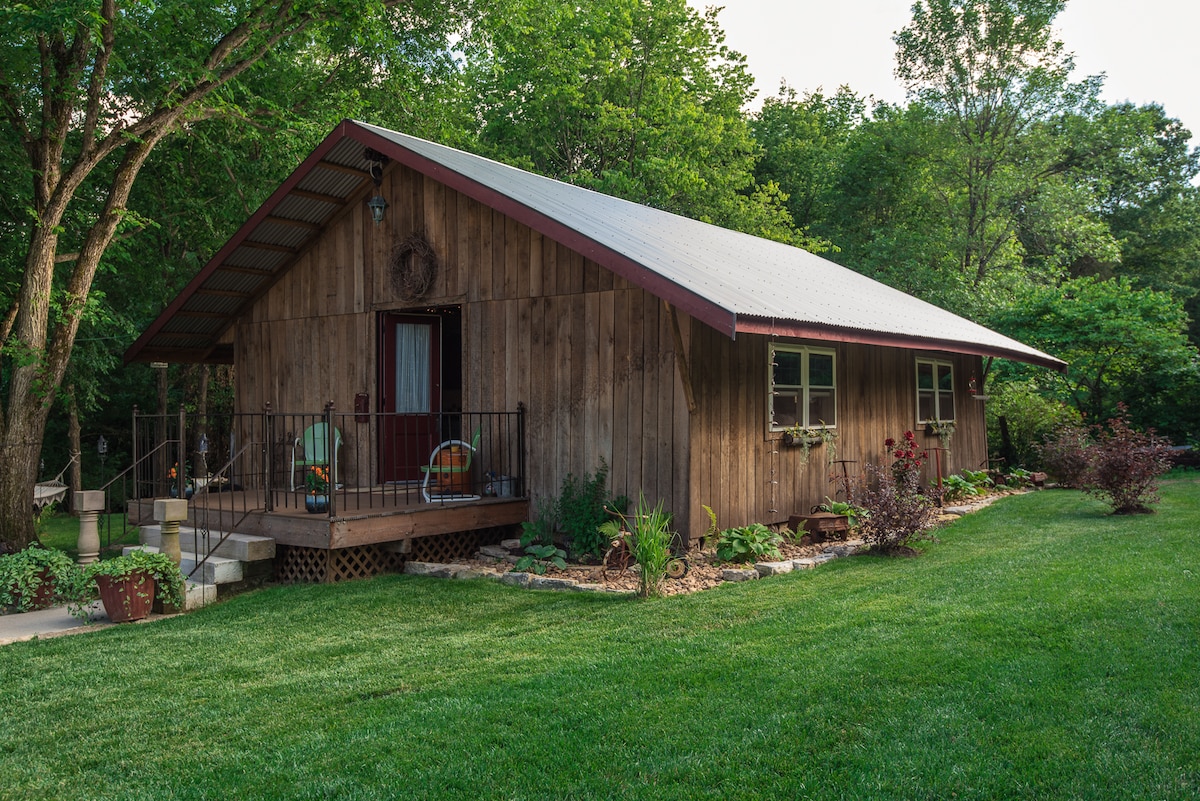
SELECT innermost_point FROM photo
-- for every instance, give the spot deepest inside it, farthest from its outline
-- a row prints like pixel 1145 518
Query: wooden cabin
pixel 676 352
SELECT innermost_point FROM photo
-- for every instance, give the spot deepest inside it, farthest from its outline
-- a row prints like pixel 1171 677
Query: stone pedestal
pixel 89 504
pixel 169 513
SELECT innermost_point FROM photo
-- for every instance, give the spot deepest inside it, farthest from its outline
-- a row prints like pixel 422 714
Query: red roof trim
pixel 788 328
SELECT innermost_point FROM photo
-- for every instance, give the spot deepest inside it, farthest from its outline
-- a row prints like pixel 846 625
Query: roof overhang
pixel 703 270
pixel 792 328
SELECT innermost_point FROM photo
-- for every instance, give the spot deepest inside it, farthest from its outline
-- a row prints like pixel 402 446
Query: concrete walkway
pixel 48 623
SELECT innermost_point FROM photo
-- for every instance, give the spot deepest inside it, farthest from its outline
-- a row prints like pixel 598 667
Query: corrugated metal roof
pixel 733 281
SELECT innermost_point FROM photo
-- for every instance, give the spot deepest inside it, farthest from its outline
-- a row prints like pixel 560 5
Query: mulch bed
pixel 703 571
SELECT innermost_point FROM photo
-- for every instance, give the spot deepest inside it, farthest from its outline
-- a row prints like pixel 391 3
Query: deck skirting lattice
pixel 449 547
pixel 295 564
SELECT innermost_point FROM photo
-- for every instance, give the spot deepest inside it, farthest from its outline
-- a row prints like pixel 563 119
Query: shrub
pixel 1031 418
pixel 748 544
pixel 539 557
pixel 895 513
pixel 583 505
pixel 1124 465
pixel 1064 453
pixel 956 488
pixel 651 546
pixel 539 530
pixel 23 573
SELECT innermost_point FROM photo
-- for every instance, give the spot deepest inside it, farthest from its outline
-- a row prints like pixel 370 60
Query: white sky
pixel 1142 46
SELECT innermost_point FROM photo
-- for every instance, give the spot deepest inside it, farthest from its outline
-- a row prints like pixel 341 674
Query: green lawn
pixel 1040 650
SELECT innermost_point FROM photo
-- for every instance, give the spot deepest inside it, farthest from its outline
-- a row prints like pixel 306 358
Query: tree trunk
pixel 75 473
pixel 21 447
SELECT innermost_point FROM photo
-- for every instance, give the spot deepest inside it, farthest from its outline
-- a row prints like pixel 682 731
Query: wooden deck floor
pixel 361 516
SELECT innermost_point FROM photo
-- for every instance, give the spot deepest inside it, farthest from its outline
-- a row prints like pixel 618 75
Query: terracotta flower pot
pixel 127 599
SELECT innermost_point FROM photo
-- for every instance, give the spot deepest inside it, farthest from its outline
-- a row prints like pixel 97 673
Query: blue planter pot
pixel 316 503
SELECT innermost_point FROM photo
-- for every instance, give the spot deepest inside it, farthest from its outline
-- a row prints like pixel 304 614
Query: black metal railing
pixel 371 460
pixel 358 461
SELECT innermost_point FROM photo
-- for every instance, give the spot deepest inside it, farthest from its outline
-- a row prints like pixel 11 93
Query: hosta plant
pixel 748 544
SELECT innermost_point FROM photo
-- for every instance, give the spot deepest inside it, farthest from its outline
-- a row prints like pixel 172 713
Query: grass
pixel 60 530
pixel 1041 649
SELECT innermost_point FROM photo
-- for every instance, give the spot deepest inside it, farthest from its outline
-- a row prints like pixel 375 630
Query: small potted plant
pixel 36 578
pixel 128 584
pixel 316 481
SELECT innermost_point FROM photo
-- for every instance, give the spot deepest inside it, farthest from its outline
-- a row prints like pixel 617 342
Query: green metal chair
pixel 446 473
pixel 312 446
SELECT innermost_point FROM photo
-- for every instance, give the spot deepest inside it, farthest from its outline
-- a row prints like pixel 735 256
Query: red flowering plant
pixel 909 457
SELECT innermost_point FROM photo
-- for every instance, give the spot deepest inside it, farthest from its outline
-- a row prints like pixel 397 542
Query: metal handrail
pixel 202 530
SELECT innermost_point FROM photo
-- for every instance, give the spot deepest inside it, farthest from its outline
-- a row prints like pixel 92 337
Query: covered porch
pixel 373 487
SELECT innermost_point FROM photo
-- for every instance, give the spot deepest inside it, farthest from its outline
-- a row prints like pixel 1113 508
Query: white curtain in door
pixel 413 368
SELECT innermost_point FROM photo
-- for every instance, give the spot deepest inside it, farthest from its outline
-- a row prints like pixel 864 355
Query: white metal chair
pixel 452 478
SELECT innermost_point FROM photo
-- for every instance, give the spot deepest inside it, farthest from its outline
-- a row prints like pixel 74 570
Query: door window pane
pixel 413 391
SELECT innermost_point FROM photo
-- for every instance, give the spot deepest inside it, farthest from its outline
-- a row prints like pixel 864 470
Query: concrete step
pixel 242 547
pixel 217 570
pixel 199 595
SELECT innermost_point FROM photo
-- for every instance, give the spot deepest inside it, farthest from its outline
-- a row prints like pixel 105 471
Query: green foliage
pixel 850 510
pixel 979 479
pixel 1018 478
pixel 1030 412
pixel 170 589
pixel 23 573
pixel 1113 337
pixel 956 488
pixel 711 533
pixel 540 530
pixel 583 505
pixel 638 100
pixel 538 558
pixel 971 483
pixel 650 527
pixel 748 544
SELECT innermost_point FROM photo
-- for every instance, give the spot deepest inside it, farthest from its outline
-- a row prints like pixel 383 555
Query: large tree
pixel 88 90
pixel 997 79
pixel 635 98
pixel 1122 345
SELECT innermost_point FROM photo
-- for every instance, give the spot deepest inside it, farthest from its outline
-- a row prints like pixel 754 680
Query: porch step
pixel 217 570
pixel 242 547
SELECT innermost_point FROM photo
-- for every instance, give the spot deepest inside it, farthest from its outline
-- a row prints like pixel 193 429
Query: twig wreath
pixel 413 266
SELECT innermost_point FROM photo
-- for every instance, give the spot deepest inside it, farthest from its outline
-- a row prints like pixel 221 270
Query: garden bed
pixel 704 571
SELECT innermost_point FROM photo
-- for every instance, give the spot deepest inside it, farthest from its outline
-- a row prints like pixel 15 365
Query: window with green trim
pixel 935 391
pixel 802 387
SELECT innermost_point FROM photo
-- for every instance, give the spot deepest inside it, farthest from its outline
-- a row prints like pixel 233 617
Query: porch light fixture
pixel 376 204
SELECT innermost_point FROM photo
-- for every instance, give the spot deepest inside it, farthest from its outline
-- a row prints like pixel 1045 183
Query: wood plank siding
pixel 590 355
pixel 744 473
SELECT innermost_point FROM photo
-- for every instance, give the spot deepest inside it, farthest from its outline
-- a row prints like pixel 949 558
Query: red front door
pixel 410 393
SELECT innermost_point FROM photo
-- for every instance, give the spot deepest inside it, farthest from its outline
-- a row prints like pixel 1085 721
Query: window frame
pixel 803 389
pixel 937 393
